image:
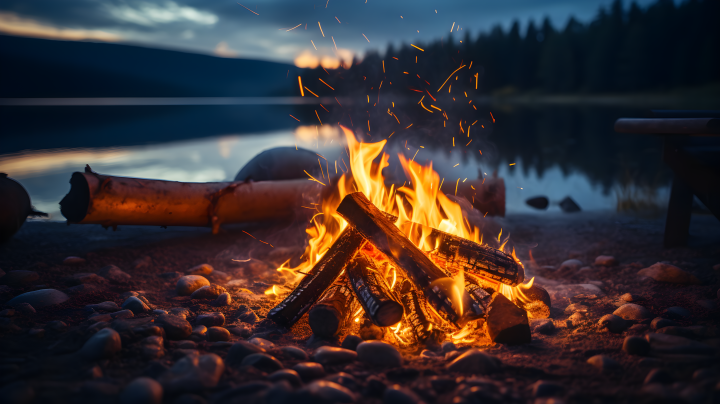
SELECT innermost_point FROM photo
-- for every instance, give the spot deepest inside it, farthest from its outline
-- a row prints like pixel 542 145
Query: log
pixel 323 274
pixel 506 323
pixel 479 300
pixel 112 201
pixel 372 224
pixel 373 292
pixel 333 311
pixel 415 316
pixel 534 299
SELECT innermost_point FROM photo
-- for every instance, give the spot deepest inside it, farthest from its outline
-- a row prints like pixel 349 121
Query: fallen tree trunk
pixel 373 292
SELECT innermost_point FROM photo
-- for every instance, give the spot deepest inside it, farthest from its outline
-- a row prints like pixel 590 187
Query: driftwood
pixel 333 311
pixel 369 221
pixel 321 276
pixel 373 293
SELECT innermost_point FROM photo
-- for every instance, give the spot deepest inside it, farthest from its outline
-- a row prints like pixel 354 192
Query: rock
pixel 576 307
pixel 315 342
pixel 40 298
pixel 378 353
pixel 218 334
pixel 115 274
pixel 506 323
pixel 142 262
pixel 199 330
pixel 344 379
pixel 239 351
pixel 677 313
pixel 613 323
pixel 604 363
pixel 636 345
pixel 210 319
pixel 262 361
pixel 544 326
pixel 571 264
pixel 187 284
pixel 327 391
pixel 180 312
pixel 288 375
pixel 104 306
pixel 294 352
pixel 202 269
pixel 543 388
pixel 327 355
pixel 176 328
pixel 632 311
pixel 208 292
pixel 242 330
pixel 20 278
pixel 605 260
pixel 262 343
pixel 351 342
pixel 672 344
pixel 25 308
pixel 224 299
pixel 103 345
pixel 629 297
pixel 396 394
pixel 193 374
pixel 56 325
pixel 142 390
pixel 135 305
pixel 309 371
pixel 661 376
pixel 568 205
pixel 246 315
pixel 474 361
pixel 19 392
pixel 569 291
pixel 122 314
pixel 668 273
pixel 74 261
pixel 703 374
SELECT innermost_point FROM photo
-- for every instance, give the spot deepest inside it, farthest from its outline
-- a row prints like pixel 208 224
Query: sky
pixel 302 31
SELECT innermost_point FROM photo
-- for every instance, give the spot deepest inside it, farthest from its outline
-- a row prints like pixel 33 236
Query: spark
pixel 409 126
pixel 480 151
pixel 456 186
pixel 476 81
pixel 432 106
pixel 413 159
pixel 333 38
pixel 368 125
pixel 417 47
pixel 321 31
pixel 383 62
pixel 295 118
pixel 470 67
pixel 493 118
pixel 302 93
pixel 421 99
pixel 391 135
pixel 512 164
pixel 336 167
pixel 313 43
pixel 293 27
pixel 464 181
pixel 453 141
pixel 311 92
pixel 453 26
pixel 313 178
pixel 456 165
pixel 326 3
pixel 247 260
pixel 326 110
pixel 423 105
pixel 394 278
pixel 469 141
pixel 338 20
pixel 258 239
pixel 249 10
pixel 338 102
pixel 321 80
pixel 322 172
pixel 318 117
pixel 396 118
pixel 366 38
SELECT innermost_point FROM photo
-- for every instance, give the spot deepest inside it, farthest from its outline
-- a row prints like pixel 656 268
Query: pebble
pixel 180 312
pixel 632 311
pixel 103 345
pixel 606 260
pixel 74 261
pixel 668 273
pixel 193 373
pixel 122 314
pixel 613 323
pixel 672 344
pixel 210 319
pixel 448 346
pixel 677 313
pixel 142 262
pixel 577 318
pixel 246 315
pixel 629 297
pixel 159 312
pixel 25 308
pixel 135 305
pixel 351 342
pixel 604 363
pixel 199 330
pixel 202 269
pixel 262 343
pixel 294 352
pixel 544 326
pixel 378 353
pixel 187 284
pixel 576 307
pixel 661 376
pixel 142 390
pixel 396 394
pixel 288 375
pixel 344 379
pixel 328 391
pixel 40 298
pixel 242 330
pixel 104 306
pixel 186 344
pixel 208 292
pixel 309 371
pixel 474 361
pixel 115 274
pixel 19 278
pixel 634 345
pixel 328 355
pixel 218 334
pixel 224 299
pixel 175 327
pixel 571 264
pixel 262 361
pixel 543 388
pixel 239 350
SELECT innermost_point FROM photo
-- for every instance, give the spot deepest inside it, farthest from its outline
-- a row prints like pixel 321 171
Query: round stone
pixel 474 361
pixel 398 395
pixel 328 391
pixel 328 355
pixel 25 308
pixel 448 346
pixel 175 327
pixel 239 350
pixel 72 260
pixel 294 352
pixel 224 299
pixel 262 343
pixel 634 345
pixel 40 298
pixel 571 264
pixel 208 292
pixel 604 363
pixel 142 390
pixel 186 285
pixel 378 353
pixel 115 274
pixel 659 322
pixel 677 313
pixel 202 269
pixel 351 342
pixel 661 376
pixel 668 273
pixel 262 361
pixel 632 311
pixel 543 388
pixel 104 344
pixel 210 319
pixel 605 260
pixel 629 297
pixel 612 323
pixel 218 334
pixel 309 371
pixel 288 375
pixel 135 305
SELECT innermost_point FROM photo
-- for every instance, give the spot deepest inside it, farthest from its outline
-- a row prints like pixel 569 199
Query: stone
pixel 604 363
pixel 74 261
pixel 351 342
pixel 115 274
pixel 142 262
pixel 474 361
pixel 634 345
pixel 632 311
pixel 193 374
pixel 218 334
pixel 629 297
pixel 103 345
pixel 543 388
pixel 677 313
pixel 309 371
pixel 224 299
pixel 25 308
pixel 210 319
pixel 242 330
pixel 328 355
pixel 19 278
pixel 262 361
pixel 672 344
pixel 613 323
pixel 262 343
pixel 668 273
pixel 56 325
pixel 327 391
pixel 571 264
pixel 661 376
pixel 544 326
pixel 208 292
pixel 246 315
pixel 199 330
pixel 186 344
pixel 576 307
pixel 605 260
pixel 569 291
pixel 506 323
pixel 294 352
pixel 239 350
pixel 86 278
pixel 180 312
pixel 122 314
pixel 40 298
pixel 396 394
pixel 187 284
pixel 202 269
pixel 378 353
pixel 288 375
pixel 104 306
pixel 176 328
pixel 142 390
pixel 448 346
pixel 135 305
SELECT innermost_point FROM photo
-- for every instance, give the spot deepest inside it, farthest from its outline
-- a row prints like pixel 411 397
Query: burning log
pixel 369 221
pixel 323 274
pixel 373 293
pixel 534 299
pixel 506 323
pixel 415 316
pixel 479 300
pixel 333 311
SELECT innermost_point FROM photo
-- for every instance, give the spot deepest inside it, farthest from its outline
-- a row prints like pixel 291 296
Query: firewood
pixel 415 316
pixel 369 221
pixel 321 276
pixel 535 300
pixel 373 292
pixel 506 323
pixel 333 311
pixel 479 300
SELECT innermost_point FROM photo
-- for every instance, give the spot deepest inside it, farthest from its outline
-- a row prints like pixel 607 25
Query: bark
pixel 333 311
pixel 373 293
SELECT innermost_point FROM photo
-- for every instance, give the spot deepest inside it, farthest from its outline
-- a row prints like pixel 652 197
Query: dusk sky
pixel 226 28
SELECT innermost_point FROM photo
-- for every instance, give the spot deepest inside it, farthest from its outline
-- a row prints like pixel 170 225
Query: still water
pixel 550 151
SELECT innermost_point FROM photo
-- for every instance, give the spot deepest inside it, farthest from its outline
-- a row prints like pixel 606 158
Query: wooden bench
pixel 691 148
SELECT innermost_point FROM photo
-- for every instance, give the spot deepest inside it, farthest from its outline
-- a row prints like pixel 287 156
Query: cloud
pixel 150 14
pixel 223 50
pixel 12 24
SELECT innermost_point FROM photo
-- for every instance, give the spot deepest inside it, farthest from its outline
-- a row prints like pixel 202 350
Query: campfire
pixel 404 264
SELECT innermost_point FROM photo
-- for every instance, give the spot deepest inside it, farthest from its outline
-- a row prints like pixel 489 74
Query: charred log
pixel 506 323
pixel 415 316
pixel 535 300
pixel 333 311
pixel 373 292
